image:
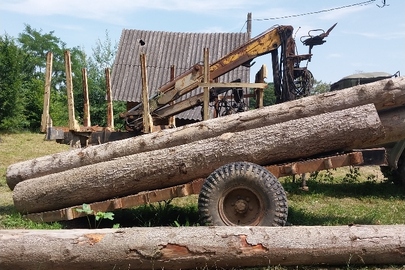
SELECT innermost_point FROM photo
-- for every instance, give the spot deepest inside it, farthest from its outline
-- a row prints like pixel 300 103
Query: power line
pixel 322 11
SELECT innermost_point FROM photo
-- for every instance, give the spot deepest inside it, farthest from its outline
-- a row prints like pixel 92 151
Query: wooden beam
pixel 236 85
pixel 259 78
pixel 45 119
pixel 206 87
pixel 147 118
pixel 73 124
pixel 110 113
pixel 86 102
pixel 172 119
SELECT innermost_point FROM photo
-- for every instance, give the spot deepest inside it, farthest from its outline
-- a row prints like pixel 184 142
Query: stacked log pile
pixel 359 117
pixel 334 121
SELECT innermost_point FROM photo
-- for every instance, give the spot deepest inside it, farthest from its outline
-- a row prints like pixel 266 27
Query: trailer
pixel 226 160
pixel 240 206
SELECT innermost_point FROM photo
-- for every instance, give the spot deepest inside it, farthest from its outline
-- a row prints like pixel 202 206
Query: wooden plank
pixel 312 165
pixel 130 201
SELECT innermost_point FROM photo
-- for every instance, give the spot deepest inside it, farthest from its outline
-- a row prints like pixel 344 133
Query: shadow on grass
pixel 302 218
pixel 153 215
pixel 344 190
pixel 7 210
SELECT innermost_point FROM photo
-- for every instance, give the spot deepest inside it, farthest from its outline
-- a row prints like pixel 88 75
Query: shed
pixel 164 49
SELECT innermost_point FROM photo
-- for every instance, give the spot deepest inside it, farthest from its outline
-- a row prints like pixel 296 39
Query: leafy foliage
pixel 269 97
pixel 22 74
pixel 98 216
pixel 12 83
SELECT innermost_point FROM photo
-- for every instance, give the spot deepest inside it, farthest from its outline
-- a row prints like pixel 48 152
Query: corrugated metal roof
pixel 164 49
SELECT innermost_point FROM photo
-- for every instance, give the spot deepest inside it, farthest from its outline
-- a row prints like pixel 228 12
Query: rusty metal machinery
pixel 290 80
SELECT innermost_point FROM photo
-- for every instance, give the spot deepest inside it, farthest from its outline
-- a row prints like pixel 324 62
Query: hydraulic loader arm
pixel 263 44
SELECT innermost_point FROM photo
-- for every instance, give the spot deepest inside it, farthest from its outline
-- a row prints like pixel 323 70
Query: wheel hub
pixel 241 206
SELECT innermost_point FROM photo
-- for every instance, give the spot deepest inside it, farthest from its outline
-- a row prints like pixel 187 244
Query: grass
pixel 337 197
pixel 15 148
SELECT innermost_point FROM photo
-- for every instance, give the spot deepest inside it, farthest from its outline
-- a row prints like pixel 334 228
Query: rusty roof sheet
pixel 164 49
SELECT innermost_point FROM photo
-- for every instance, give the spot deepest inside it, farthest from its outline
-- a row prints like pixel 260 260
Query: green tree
pixel 319 87
pixel 103 57
pixel 37 45
pixel 13 65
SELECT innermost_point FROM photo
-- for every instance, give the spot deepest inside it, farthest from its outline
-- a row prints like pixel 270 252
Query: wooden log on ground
pixel 184 248
pixel 384 94
pixel 345 129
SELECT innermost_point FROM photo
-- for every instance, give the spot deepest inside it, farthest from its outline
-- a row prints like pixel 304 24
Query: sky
pixel 367 37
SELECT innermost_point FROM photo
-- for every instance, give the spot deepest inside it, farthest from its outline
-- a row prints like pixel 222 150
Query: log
pixel 300 138
pixel 184 248
pixel 384 94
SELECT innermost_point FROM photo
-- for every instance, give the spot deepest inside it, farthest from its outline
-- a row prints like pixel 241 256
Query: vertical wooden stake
pixel 260 75
pixel 45 119
pixel 147 118
pixel 110 113
pixel 172 119
pixel 86 102
pixel 73 125
pixel 206 80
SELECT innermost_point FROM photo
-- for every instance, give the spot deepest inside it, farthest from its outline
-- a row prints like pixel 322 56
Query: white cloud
pixel 98 8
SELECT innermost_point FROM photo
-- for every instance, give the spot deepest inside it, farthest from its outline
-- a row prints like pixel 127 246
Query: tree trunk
pixel 346 129
pixel 384 94
pixel 184 248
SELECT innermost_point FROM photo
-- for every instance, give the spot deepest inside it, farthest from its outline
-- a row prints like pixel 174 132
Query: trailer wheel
pixel 242 194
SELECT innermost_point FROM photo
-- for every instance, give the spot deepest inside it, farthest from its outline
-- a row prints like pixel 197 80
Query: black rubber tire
pixel 266 196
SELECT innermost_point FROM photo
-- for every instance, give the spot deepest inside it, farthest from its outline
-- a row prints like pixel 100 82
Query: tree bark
pixel 384 94
pixel 184 248
pixel 305 137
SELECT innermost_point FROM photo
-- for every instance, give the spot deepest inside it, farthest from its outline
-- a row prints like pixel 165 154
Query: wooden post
pixel 260 75
pixel 110 113
pixel 172 119
pixel 86 103
pixel 249 24
pixel 73 125
pixel 206 80
pixel 147 118
pixel 46 121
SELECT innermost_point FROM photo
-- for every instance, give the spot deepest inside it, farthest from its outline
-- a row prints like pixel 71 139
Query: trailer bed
pixel 363 157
